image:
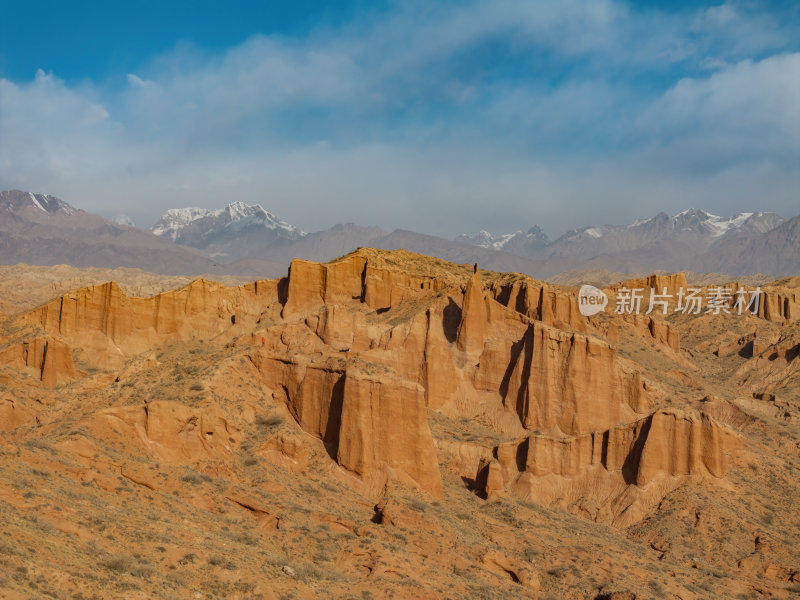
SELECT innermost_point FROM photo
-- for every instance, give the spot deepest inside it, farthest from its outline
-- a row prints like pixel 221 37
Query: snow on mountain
pixel 484 239
pixel 594 232
pixel 715 225
pixel 176 219
pixel 694 229
pixel 35 202
pixel 175 223
pixel 123 220
pixel 14 200
pixel 535 237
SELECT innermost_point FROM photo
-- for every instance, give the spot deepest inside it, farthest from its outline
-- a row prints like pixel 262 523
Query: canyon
pixel 390 424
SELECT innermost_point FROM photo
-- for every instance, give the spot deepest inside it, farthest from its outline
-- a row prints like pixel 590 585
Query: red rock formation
pixel 173 432
pixel 111 327
pixel 490 479
pixel 550 304
pixel 384 421
pixel 659 330
pixel 569 382
pixel 775 364
pixel 474 317
pixel 779 305
pixel 665 444
pixel 361 348
pixel 678 444
pixel 369 418
pixel 670 284
pixel 311 285
pixel 49 359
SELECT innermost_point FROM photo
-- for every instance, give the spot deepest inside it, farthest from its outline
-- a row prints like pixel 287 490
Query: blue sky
pixel 440 117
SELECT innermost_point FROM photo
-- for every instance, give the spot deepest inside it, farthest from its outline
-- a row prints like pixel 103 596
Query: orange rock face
pixel 665 443
pixel 569 383
pixel 172 432
pixel 359 351
pixel 384 422
pixel 474 317
pixel 111 327
pixel 538 300
pixel 49 359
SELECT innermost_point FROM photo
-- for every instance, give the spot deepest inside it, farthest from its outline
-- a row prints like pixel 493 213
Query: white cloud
pixel 719 15
pixel 138 82
pixel 49 130
pixel 751 106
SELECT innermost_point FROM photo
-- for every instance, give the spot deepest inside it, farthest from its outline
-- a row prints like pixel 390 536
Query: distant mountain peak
pixel 237 230
pixel 123 220
pixel 15 200
pixel 532 239
pixel 691 231
pixel 235 217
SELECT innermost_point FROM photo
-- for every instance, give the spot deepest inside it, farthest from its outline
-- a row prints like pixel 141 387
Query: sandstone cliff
pixel 359 351
pixel 47 358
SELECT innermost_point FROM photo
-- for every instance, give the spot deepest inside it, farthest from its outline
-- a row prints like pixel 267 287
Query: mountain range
pixel 695 240
pixel 246 239
pixel 43 230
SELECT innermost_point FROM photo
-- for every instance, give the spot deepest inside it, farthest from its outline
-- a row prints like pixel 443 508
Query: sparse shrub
pixel 195 478
pixel 481 591
pixel 118 563
pixel 141 570
pixel 308 571
pixel 657 588
pixel 197 387
pixel 37 444
pixel 530 553
pixel 309 489
pixel 269 422
pixel 246 538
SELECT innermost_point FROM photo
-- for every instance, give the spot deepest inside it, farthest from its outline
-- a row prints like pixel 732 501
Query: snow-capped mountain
pixel 35 205
pixel 41 229
pixel 245 239
pixel 176 220
pixel 237 231
pixel 518 242
pixel 179 223
pixel 123 220
pixel 692 230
